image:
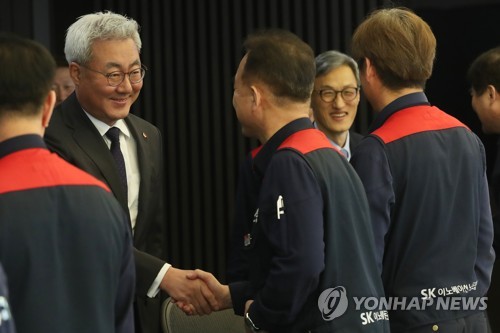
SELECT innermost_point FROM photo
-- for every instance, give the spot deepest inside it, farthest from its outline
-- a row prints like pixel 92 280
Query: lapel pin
pixel 144 135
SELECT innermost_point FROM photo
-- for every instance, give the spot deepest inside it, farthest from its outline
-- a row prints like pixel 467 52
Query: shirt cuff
pixel 155 286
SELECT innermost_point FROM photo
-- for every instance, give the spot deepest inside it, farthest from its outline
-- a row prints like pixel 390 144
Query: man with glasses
pixel 94 130
pixel 335 99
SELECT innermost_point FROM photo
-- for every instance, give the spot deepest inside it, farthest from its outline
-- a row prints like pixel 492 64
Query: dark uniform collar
pixel 400 103
pixel 21 142
pixel 263 157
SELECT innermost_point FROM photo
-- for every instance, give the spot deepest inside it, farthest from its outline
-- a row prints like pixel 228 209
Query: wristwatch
pixel 250 323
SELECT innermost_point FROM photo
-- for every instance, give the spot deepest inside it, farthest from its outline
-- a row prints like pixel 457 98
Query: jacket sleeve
pixel 124 314
pixel 370 162
pixel 291 219
pixel 246 203
pixel 485 252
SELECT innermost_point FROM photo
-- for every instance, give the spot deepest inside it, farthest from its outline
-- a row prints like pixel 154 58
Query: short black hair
pixel 27 74
pixel 281 60
pixel 485 70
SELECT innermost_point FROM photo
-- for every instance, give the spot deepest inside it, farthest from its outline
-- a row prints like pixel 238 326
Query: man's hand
pixel 247 305
pixel 220 291
pixel 194 294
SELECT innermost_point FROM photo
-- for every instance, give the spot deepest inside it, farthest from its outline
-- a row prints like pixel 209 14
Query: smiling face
pixel 96 96
pixel 335 118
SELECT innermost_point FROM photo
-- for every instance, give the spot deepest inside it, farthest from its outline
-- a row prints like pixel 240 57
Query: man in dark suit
pixel 94 130
pixel 335 99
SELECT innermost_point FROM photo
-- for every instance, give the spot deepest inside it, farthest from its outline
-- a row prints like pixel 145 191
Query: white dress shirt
pixel 129 152
pixel 128 147
pixel 346 150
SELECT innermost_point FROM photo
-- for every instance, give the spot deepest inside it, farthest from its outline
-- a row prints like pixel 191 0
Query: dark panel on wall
pixel 447 4
pixel 41 30
pixel 62 14
pixel 17 17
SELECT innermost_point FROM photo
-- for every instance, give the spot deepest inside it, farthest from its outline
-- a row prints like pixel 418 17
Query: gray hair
pixel 330 60
pixel 98 26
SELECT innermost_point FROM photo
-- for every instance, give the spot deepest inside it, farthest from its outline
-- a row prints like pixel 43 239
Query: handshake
pixel 196 292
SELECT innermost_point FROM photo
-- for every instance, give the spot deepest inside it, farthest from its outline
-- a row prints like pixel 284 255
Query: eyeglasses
pixel 329 95
pixel 116 78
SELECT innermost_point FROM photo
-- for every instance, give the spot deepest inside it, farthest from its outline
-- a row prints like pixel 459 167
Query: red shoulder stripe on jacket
pixel 255 151
pixel 36 168
pixel 414 120
pixel 306 141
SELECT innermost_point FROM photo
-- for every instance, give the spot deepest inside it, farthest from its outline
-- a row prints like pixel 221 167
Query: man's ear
pixel 48 108
pixel 370 70
pixel 256 96
pixel 75 72
pixel 493 94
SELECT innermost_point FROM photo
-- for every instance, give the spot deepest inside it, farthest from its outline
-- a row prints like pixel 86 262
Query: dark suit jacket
pixel 72 135
pixel 355 139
